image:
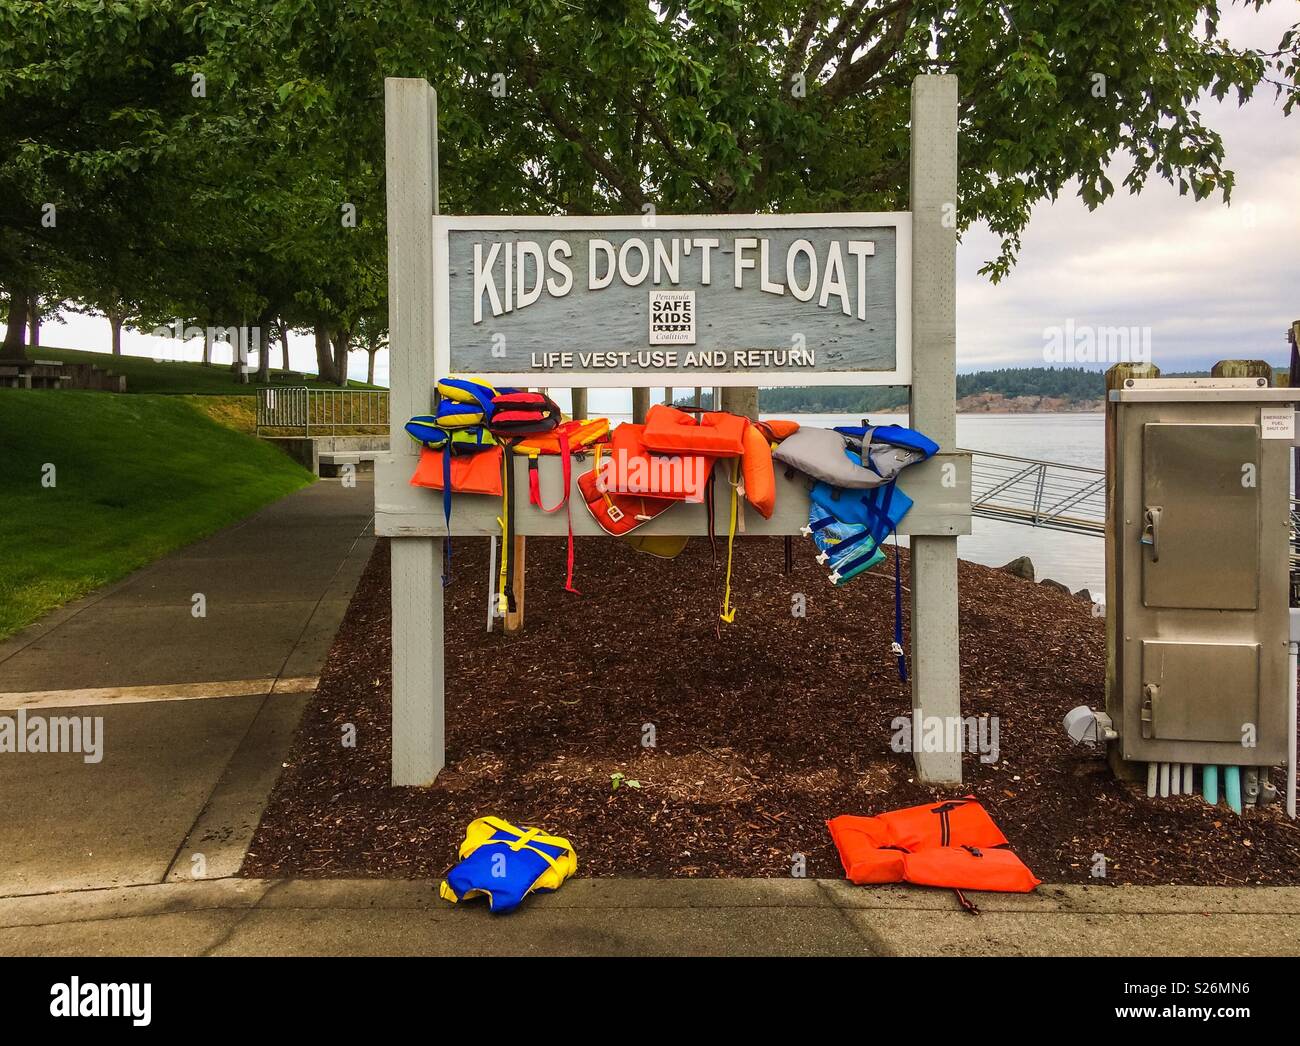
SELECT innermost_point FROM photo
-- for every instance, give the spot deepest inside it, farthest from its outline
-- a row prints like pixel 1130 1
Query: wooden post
pixel 935 662
pixel 668 397
pixel 579 409
pixel 699 395
pixel 741 400
pixel 411 164
pixel 1242 369
pixel 515 619
pixel 640 405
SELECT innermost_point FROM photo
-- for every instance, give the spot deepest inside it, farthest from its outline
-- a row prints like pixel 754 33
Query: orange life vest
pixel 757 471
pixel 470 473
pixel 953 843
pixel 672 431
pixel 616 512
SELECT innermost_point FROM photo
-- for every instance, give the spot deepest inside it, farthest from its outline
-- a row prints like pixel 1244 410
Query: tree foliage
pixel 222 162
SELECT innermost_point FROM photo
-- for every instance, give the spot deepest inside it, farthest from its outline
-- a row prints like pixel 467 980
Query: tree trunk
pixel 13 347
pixel 264 346
pixel 34 324
pixel 207 347
pixel 370 366
pixel 342 345
pixel 324 358
pixel 284 344
pixel 115 320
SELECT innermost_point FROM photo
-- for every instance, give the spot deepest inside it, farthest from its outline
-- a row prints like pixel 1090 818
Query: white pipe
pixel 1164 780
pixel 1188 783
pixel 492 573
pixel 1152 771
pixel 1291 719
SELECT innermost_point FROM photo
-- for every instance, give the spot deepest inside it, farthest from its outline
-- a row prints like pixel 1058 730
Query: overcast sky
pixel 1209 281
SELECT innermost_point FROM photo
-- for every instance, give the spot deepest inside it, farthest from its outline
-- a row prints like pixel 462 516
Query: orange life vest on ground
pixel 953 843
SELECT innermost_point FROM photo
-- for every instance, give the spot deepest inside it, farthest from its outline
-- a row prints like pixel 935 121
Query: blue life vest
pixel 895 435
pixel 865 518
pixel 505 864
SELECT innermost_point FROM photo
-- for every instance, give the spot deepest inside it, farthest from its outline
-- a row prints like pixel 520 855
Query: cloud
pixel 1211 281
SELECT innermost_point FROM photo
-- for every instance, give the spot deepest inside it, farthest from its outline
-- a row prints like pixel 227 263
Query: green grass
pixel 134 478
pixel 144 374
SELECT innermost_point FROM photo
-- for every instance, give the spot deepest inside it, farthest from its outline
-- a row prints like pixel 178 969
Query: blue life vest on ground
pixel 505 864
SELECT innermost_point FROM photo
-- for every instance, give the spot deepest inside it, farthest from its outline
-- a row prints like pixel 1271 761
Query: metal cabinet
pixel 1198 571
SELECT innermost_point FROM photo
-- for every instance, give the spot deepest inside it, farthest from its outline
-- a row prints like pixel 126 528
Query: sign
pixel 656 300
pixel 1277 422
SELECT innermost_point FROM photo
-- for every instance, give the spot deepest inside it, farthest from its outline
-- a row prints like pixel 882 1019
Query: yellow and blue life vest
pixel 505 864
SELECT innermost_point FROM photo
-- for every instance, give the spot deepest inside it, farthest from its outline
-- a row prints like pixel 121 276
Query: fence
pixel 323 411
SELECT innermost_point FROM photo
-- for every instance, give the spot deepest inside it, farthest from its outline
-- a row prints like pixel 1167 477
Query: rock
pixel 1021 567
pixel 1049 583
pixel 1083 594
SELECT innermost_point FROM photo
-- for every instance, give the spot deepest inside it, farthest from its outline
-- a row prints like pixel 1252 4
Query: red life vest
pixel 953 843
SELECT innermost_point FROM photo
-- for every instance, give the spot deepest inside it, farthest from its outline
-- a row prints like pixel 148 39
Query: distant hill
pixel 1007 390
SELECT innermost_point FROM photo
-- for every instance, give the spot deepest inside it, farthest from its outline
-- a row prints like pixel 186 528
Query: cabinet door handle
pixel 1151 531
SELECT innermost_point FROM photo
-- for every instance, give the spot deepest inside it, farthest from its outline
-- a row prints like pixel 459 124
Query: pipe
pixel 1232 787
pixel 1188 784
pixel 1291 718
pixel 1164 780
pixel 492 574
pixel 1210 784
pixel 1152 772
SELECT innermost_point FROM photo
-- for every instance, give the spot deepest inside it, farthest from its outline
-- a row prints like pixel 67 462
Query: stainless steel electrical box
pixel 1198 563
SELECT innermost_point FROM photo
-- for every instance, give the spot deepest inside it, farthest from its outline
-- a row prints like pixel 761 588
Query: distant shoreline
pixel 987 403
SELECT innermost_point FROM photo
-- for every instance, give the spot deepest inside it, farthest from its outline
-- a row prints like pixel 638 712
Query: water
pixel 1076 560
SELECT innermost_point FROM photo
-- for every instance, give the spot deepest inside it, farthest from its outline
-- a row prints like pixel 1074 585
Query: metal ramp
pixel 1038 493
pixel 1054 495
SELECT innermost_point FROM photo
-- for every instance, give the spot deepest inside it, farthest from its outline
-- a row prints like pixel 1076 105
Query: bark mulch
pixel 761 730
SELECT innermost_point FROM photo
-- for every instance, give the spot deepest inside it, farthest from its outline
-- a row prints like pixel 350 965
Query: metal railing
pixel 1046 494
pixel 324 411
pixel 1054 495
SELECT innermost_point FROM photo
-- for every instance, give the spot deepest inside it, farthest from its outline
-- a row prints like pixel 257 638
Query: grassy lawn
pixel 148 375
pixel 135 477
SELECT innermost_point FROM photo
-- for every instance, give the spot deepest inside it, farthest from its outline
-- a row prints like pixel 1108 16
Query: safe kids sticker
pixel 672 317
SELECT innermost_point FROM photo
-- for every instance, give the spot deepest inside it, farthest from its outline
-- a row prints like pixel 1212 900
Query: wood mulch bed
pixel 762 729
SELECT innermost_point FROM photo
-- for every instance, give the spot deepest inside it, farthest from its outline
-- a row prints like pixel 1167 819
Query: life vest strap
pixel 446 515
pixel 897 647
pixel 728 613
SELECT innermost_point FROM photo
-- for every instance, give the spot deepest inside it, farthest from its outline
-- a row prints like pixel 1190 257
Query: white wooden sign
pixel 793 299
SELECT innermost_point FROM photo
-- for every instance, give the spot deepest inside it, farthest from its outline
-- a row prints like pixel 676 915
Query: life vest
pixel 505 864
pixel 464 402
pixel 893 435
pixel 953 843
pixel 468 473
pixel 563 441
pixel 856 523
pixel 456 432
pixel 672 431
pixel 616 512
pixel 777 429
pixel 629 467
pixel 757 471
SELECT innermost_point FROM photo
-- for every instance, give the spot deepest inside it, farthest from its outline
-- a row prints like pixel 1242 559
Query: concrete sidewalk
pixel 197 711
pixel 624 917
